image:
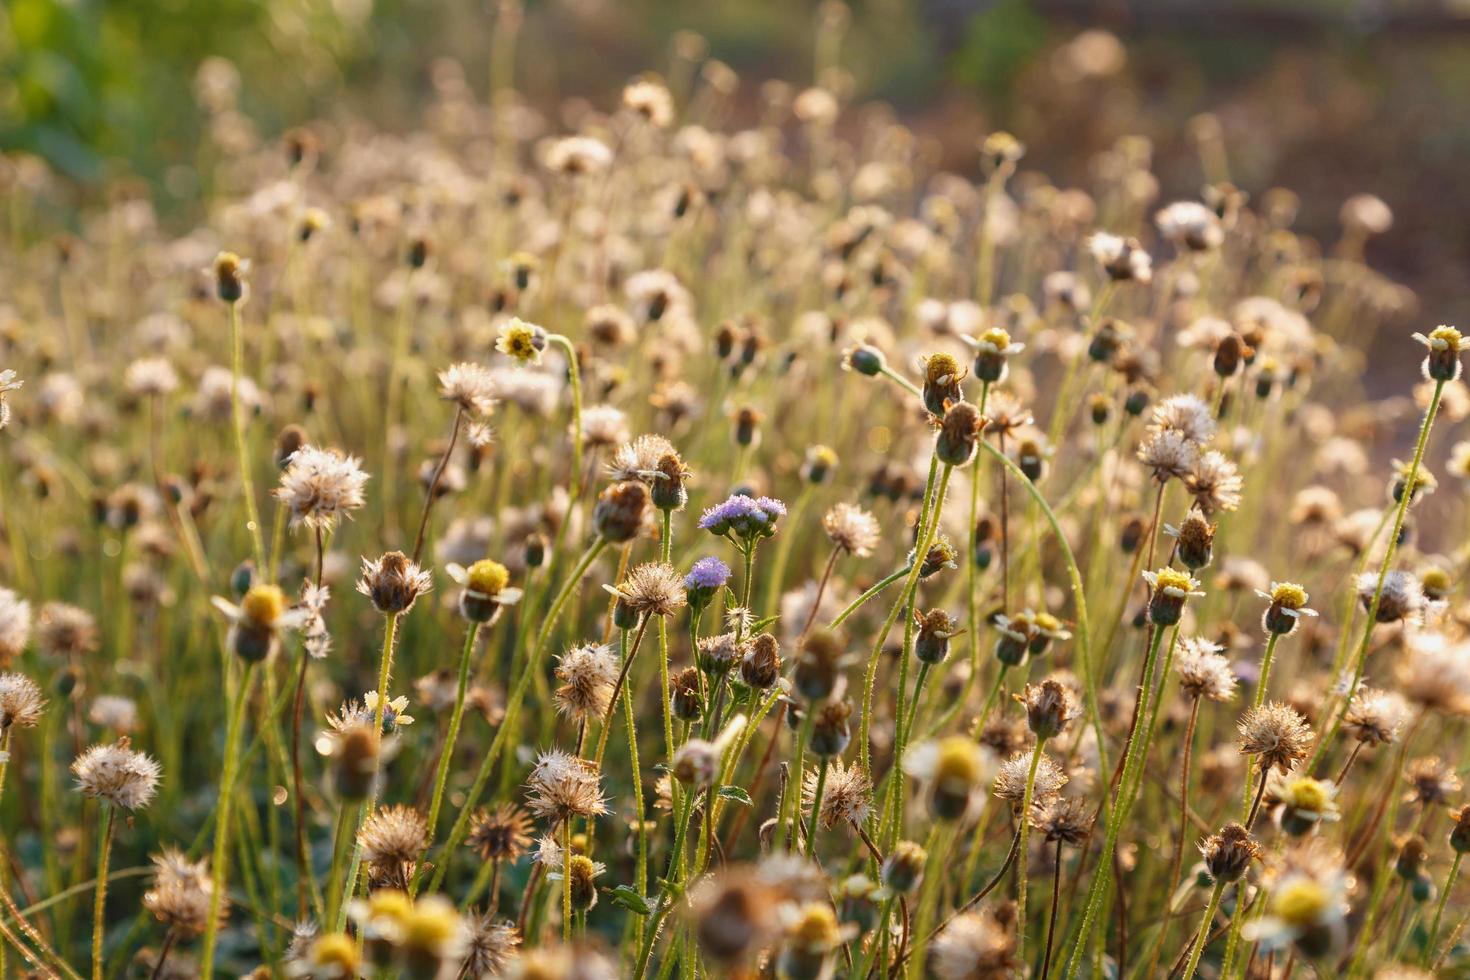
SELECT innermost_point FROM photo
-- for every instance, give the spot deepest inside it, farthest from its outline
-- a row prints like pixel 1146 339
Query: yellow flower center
pixel 958 761
pixel 430 924
pixel 336 950
pixel 389 904
pixel 1301 902
pixel 817 927
pixel 940 367
pixel 1307 794
pixel 1289 595
pixel 1170 578
pixel 1449 335
pixel 1047 623
pixel 488 577
pixel 263 604
pixel 996 337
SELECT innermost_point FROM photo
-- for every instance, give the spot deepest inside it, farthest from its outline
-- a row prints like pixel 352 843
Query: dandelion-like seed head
pixel 117 774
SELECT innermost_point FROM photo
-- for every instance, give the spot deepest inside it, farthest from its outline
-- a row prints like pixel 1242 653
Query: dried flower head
pixel 501 834
pixel 562 786
pixel 470 386
pixel 652 589
pixel 1203 672
pixel 588 675
pixel 393 582
pixel 1277 733
pixel 21 703
pixel 321 486
pixel 852 529
pixel 847 797
pixel 117 774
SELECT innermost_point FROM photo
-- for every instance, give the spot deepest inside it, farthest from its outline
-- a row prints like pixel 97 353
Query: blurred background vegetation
pixel 1329 97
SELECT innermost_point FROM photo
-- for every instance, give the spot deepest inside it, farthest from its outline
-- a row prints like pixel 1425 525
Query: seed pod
pixel 619 513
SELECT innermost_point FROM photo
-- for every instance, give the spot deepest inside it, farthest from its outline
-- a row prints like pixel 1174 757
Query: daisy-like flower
pixel 333 956
pixel 1203 672
pixel 1277 733
pixel 1214 482
pixel 588 676
pixel 993 351
pixel 1307 901
pixel 847 797
pixel 1123 259
pixel 522 341
pixel 470 386
pixel 1288 604
pixel 257 622
pixel 953 772
pixel 117 774
pixel 1004 414
pixel 852 529
pixel 1191 225
pixel 562 786
pixel 485 589
pixel 393 582
pixel 1170 589
pixel 21 702
pixel 811 934
pixel 321 486
pixel 1445 344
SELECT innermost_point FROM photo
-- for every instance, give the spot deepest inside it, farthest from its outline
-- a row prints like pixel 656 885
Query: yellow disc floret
pixel 487 577
pixel 1288 595
pixel 263 604
pixel 1301 902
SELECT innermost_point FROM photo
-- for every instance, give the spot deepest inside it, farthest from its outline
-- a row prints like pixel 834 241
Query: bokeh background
pixel 1328 97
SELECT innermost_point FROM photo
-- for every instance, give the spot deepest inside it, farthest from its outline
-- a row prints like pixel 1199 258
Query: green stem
pixel 508 724
pixel 446 757
pixel 1444 896
pixel 811 834
pixel 237 414
pixel 99 902
pixel 1204 930
pixel 1021 852
pixel 222 823
pixel 1360 659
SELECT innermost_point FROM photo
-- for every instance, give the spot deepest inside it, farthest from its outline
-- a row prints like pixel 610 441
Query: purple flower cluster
pixel 746 517
pixel 708 573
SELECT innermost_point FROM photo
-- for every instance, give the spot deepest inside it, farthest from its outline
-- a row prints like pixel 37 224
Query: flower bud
pixel 831 728
pixel 959 434
pixel 685 700
pixel 619 513
pixel 761 665
pixel 903 869
pixel 942 376
pixel 935 629
pixel 1196 539
pixel 818 664
pixel 1229 853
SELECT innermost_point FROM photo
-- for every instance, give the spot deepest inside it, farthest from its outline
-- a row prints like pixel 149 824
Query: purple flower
pixel 746 517
pixel 707 573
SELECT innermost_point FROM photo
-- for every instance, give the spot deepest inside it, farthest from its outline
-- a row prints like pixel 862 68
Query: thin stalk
pixel 1444 896
pixel 1204 930
pixel 220 863
pixel 99 901
pixel 432 492
pixel 446 756
pixel 1023 835
pixel 811 834
pixel 508 724
pixel 1360 658
pixel 237 414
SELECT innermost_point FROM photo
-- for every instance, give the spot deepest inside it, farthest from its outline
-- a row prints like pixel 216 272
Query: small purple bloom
pixel 743 516
pixel 707 573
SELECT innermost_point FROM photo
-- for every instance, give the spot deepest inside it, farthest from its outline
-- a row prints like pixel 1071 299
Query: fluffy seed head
pixel 117 774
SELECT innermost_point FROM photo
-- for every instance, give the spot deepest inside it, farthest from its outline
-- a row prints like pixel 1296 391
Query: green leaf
pixel 627 896
pixel 737 794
